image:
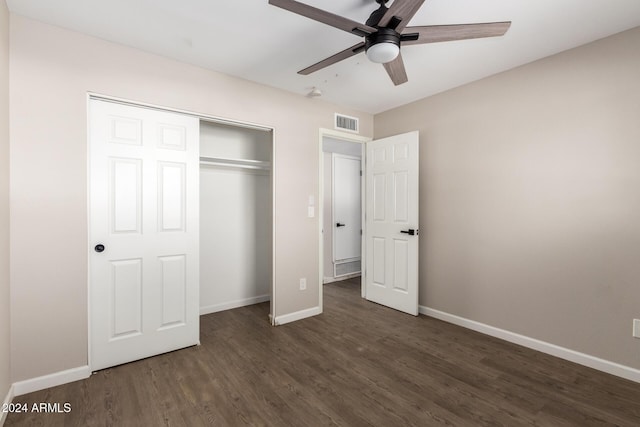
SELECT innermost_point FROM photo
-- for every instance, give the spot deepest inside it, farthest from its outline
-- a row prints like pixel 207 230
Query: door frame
pixel 347 137
pixel 201 116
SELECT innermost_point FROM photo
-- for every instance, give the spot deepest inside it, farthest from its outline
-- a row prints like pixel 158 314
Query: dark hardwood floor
pixel 357 364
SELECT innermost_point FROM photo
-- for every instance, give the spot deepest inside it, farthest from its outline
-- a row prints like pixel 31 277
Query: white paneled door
pixel 346 208
pixel 143 225
pixel 391 224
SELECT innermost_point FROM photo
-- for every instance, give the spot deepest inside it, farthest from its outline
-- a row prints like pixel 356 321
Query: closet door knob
pixel 99 248
pixel 340 225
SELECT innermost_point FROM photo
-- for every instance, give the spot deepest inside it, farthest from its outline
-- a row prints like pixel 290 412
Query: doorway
pixel 389 206
pixel 236 220
pixel 342 210
pixel 341 202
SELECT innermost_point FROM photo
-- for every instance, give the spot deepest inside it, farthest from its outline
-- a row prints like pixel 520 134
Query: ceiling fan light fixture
pixel 315 92
pixel 382 46
pixel 381 53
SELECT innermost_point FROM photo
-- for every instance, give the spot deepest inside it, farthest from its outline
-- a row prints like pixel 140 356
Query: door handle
pixel 99 248
pixel 410 232
pixel 340 225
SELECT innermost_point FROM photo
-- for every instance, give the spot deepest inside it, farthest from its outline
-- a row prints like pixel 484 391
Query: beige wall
pixel 4 203
pixel 530 198
pixel 52 70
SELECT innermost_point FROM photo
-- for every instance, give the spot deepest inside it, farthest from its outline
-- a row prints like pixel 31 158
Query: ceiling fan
pixel 386 30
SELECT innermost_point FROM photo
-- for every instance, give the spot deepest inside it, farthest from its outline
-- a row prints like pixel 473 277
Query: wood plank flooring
pixel 358 364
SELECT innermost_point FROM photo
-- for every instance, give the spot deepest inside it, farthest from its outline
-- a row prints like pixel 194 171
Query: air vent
pixel 346 123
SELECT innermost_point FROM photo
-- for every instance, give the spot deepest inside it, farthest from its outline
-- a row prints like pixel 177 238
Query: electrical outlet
pixel 303 284
pixel 636 328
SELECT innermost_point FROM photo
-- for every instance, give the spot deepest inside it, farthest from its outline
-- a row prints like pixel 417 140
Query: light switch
pixel 311 211
pixel 312 200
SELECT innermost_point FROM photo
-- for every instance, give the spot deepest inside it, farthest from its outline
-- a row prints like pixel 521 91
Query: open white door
pixel 391 222
pixel 143 223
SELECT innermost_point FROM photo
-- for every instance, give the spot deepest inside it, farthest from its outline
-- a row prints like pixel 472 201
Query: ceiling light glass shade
pixel 382 53
pixel 314 92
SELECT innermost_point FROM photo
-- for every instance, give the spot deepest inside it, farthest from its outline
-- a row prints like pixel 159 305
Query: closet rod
pixel 235 163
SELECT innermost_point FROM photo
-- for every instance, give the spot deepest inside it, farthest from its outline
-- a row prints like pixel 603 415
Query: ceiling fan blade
pixel 320 15
pixel 402 9
pixel 396 70
pixel 347 53
pixel 444 33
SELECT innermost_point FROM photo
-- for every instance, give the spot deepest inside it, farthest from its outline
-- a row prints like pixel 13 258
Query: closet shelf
pixel 235 163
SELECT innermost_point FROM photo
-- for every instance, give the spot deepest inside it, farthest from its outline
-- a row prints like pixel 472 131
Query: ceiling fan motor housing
pixel 383 35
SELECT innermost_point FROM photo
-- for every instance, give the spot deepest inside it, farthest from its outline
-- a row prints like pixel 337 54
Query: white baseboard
pixel 51 380
pixel 328 280
pixel 233 304
pixel 584 359
pixel 298 315
pixel 7 400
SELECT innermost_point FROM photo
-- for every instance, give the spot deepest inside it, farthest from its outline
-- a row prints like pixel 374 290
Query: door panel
pixel 172 137
pixel 401 264
pixel 400 193
pixel 125 195
pixel 144 190
pixel 378 255
pixel 123 130
pixel 379 197
pixel 173 290
pixel 126 298
pixel 172 192
pixel 391 264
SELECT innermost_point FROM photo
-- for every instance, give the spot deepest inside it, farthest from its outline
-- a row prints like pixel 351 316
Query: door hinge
pixel 360 173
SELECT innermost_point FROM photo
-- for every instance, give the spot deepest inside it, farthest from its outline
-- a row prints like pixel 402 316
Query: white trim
pixel 272 302
pixel 603 365
pixel 202 116
pixel 88 207
pixel 51 380
pixel 363 223
pixel 320 207
pixel 298 315
pixel 7 400
pixel 233 304
pixel 328 280
pixel 345 136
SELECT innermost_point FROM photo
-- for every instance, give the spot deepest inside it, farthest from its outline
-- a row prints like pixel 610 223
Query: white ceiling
pixel 255 41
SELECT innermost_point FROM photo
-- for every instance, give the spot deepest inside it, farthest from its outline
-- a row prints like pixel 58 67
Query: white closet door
pixel 144 190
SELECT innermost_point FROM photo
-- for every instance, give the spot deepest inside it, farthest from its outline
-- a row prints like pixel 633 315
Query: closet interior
pixel 236 224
